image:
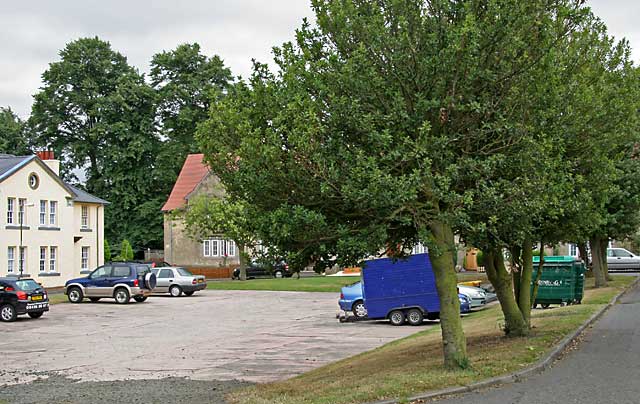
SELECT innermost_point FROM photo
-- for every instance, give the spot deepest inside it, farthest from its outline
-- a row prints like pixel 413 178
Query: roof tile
pixel 193 172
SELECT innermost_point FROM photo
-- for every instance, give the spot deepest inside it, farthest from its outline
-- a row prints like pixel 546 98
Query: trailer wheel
pixel 415 317
pixel 545 305
pixel 396 317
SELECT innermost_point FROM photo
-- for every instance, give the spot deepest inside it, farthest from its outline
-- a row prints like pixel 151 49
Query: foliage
pixel 185 82
pixel 126 252
pixel 14 137
pixel 97 113
pixel 107 251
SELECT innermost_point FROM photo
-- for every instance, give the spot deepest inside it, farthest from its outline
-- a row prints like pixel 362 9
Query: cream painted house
pixel 49 230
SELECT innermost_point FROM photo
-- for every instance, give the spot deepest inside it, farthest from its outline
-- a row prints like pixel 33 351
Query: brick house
pixel 214 256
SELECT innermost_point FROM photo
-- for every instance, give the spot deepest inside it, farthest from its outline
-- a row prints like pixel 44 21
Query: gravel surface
pixel 57 389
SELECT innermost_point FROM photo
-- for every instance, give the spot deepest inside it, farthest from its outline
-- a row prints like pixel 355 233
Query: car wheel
pixel 278 274
pixel 545 305
pixel 8 313
pixel 358 309
pixel 415 317
pixel 94 299
pixel 140 299
pixel 396 317
pixel 36 314
pixel 175 291
pixel 189 293
pixel 122 296
pixel 75 295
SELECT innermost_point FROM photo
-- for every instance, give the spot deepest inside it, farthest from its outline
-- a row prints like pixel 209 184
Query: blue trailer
pixel 404 290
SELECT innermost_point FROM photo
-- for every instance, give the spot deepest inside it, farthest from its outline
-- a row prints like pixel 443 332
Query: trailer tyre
pixel 396 317
pixel 415 317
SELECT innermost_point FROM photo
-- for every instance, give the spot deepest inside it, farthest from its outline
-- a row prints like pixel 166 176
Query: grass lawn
pixel 413 365
pixel 57 298
pixel 313 284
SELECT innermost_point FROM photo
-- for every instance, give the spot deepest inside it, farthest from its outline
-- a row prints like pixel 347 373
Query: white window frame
pixel 11 206
pixel 11 259
pixel 206 248
pixel 53 257
pixel 22 207
pixel 53 213
pixel 84 258
pixel 215 248
pixel 43 259
pixel 231 248
pixel 573 250
pixel 84 217
pixel 43 212
pixel 22 259
pixel 419 249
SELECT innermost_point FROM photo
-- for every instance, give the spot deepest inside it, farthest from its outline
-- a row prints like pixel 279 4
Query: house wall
pixel 182 250
pixel 61 235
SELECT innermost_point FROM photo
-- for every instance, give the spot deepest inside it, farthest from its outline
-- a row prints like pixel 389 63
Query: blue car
pixel 351 300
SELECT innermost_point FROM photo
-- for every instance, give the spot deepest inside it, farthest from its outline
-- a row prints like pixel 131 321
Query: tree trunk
pixel 536 282
pixel 243 262
pixel 603 256
pixel 515 324
pixel 516 270
pixel 453 339
pixel 582 247
pixel 524 299
pixel 597 261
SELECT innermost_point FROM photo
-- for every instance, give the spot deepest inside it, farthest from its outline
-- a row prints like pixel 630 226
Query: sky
pixel 33 32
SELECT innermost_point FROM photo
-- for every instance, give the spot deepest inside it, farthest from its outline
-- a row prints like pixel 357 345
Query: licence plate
pixel 200 281
pixel 36 298
pixel 34 306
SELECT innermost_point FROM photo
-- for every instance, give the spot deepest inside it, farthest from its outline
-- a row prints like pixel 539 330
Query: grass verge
pixel 414 365
pixel 312 284
pixel 56 299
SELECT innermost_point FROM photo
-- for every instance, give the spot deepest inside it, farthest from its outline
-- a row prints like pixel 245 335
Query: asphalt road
pixel 604 369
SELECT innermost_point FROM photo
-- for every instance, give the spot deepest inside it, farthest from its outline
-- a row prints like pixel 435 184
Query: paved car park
pixel 213 335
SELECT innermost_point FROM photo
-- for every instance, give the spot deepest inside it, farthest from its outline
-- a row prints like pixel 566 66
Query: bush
pixel 126 252
pixel 107 251
pixel 480 258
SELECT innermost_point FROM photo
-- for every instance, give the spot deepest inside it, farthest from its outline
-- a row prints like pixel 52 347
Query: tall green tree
pixel 14 137
pixel 186 82
pixel 361 142
pixel 97 113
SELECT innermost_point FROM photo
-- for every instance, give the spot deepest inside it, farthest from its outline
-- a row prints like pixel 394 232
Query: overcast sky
pixel 32 32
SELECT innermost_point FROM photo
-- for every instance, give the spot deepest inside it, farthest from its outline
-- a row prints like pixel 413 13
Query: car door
pixel 624 258
pixel 98 285
pixel 119 274
pixel 165 279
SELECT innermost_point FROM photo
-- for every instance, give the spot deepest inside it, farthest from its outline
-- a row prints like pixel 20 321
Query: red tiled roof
pixel 193 171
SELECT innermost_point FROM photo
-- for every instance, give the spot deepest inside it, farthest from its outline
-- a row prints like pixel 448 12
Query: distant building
pixel 50 230
pixel 213 256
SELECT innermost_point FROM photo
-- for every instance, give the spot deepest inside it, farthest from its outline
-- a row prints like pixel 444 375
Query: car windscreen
pixel 27 284
pixel 184 272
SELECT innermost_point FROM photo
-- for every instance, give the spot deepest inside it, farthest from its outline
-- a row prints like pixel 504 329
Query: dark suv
pixel 118 280
pixel 257 269
pixel 21 296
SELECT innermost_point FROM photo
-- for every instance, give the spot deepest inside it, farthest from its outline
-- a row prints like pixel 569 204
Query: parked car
pixel 351 299
pixel 21 296
pixel 177 280
pixel 478 296
pixel 619 259
pixel 258 269
pixel 118 280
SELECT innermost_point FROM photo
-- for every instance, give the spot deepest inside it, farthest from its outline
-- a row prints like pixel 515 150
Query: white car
pixel 619 258
pixel 477 296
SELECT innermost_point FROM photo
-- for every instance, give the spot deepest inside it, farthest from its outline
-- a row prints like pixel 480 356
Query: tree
pixel 361 142
pixel 13 133
pixel 126 251
pixel 107 251
pixel 231 219
pixel 97 113
pixel 185 81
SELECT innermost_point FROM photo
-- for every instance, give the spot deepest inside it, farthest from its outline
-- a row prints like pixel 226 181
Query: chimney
pixel 48 157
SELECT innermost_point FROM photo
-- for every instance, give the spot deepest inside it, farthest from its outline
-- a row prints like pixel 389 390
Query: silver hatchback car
pixel 177 280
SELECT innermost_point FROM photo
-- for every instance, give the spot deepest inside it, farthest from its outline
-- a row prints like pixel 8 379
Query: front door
pixel 99 282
